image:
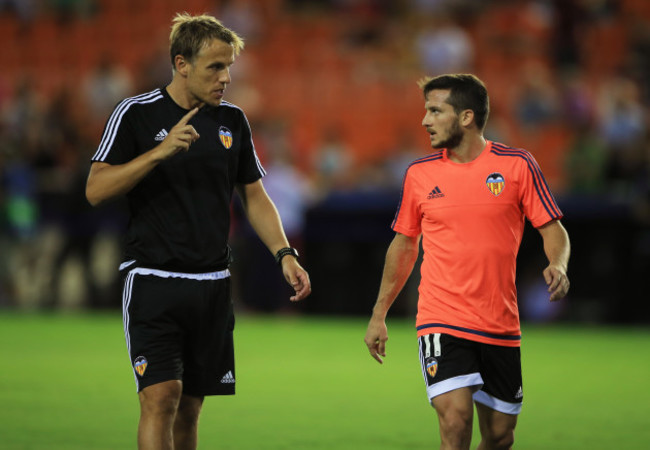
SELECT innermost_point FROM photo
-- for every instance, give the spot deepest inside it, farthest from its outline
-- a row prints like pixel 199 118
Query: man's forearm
pixel 400 259
pixel 263 216
pixel 556 244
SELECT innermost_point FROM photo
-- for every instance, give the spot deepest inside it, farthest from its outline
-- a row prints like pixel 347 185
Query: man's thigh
pixel 449 363
pixel 501 372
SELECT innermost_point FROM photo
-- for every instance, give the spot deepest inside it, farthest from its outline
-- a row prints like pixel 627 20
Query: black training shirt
pixel 180 212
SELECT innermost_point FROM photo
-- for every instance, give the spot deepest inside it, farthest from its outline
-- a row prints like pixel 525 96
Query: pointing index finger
pixel 186 118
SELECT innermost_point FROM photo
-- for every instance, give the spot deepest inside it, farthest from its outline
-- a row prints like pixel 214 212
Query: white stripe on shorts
pixel 220 275
pixel 496 404
pixel 126 301
pixel 450 384
pixel 437 350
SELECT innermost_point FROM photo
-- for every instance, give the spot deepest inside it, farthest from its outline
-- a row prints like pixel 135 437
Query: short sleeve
pixel 408 218
pixel 249 169
pixel 538 202
pixel 118 143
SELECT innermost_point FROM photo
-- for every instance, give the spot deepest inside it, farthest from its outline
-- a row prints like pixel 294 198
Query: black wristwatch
pixel 284 252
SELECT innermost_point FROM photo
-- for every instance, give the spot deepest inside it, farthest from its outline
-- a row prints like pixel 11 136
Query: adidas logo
pixel 228 378
pixel 162 134
pixel 520 393
pixel 435 193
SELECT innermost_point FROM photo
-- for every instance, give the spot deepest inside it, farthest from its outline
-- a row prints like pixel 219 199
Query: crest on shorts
pixel 140 365
pixel 495 183
pixel 225 136
pixel 431 366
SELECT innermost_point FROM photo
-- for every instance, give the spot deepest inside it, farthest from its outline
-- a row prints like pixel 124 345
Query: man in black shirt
pixel 178 154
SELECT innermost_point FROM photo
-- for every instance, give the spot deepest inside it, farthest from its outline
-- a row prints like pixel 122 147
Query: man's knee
pixel 161 399
pixel 499 438
pixel 455 420
pixel 189 410
pixel 497 429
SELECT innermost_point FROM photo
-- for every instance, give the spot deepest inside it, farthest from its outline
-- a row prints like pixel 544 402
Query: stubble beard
pixel 454 139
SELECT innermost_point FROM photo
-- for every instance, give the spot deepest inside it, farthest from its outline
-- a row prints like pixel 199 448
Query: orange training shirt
pixel 471 217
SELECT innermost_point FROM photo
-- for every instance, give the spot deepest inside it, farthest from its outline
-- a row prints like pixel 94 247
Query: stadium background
pixel 330 90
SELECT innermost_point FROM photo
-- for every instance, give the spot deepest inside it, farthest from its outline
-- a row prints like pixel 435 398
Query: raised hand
pixel 180 137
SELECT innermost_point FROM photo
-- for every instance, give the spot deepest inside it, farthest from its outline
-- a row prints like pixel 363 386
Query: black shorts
pixel 494 371
pixel 180 327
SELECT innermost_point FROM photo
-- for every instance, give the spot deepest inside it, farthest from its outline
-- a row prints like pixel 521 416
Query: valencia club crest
pixel 225 136
pixel 495 183
pixel 140 365
pixel 432 366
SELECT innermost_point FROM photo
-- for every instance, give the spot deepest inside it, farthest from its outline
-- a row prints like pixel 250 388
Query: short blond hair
pixel 190 33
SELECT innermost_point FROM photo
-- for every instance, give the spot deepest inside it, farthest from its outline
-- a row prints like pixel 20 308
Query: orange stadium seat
pixel 301 69
pixel 603 47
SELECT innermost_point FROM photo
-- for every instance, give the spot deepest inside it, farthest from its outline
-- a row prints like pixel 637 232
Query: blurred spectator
pixel 571 20
pixel 26 10
pixel 79 225
pixel 371 177
pixel 19 188
pixel 242 16
pixel 21 125
pixel 404 154
pixel 64 206
pixel 622 123
pixel 430 7
pixel 290 189
pixel 577 104
pixel 63 129
pixel 363 21
pixel 68 10
pixel 334 163
pixel 105 86
pixel 638 61
pixel 537 101
pixel 156 70
pixel 586 162
pixel 291 193
pixel 244 92
pixel 568 22
pixel 642 206
pixel 600 11
pixel 22 119
pixel 622 118
pixel 498 128
pixel 443 46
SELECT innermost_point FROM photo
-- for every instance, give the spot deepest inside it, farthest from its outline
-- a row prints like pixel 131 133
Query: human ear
pixel 181 64
pixel 466 117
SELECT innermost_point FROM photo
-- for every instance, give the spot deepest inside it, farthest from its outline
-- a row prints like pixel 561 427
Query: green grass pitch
pixel 309 383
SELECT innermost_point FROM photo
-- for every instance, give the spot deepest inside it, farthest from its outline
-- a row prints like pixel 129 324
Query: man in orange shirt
pixel 468 201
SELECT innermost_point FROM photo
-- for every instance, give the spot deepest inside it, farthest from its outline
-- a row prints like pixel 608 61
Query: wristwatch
pixel 284 252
